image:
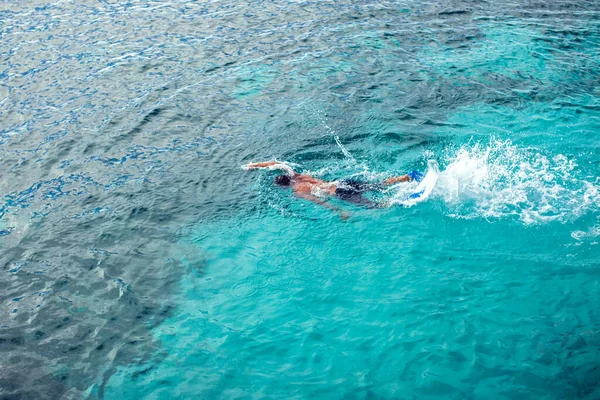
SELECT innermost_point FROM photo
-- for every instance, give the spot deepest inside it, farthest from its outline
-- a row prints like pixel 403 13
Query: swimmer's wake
pixel 489 180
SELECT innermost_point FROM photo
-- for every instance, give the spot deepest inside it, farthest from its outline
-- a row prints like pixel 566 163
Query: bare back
pixel 306 184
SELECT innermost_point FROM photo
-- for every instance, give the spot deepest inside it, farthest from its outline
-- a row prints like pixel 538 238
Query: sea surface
pixel 138 260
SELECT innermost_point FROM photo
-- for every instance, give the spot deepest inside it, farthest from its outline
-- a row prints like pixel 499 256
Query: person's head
pixel 283 180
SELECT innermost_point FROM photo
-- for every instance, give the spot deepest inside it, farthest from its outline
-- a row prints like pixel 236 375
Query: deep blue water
pixel 140 261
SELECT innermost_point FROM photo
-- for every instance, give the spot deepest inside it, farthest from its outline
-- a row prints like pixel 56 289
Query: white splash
pixel 499 179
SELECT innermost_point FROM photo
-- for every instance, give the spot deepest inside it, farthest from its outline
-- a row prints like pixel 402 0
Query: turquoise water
pixel 488 289
pixel 141 261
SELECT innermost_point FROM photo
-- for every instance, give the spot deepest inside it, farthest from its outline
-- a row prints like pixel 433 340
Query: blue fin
pixel 415 175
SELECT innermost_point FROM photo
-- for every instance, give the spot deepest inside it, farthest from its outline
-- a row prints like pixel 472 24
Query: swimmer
pixel 317 190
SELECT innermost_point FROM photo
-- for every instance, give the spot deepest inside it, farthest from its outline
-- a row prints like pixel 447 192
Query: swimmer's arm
pixel 264 164
pixel 321 202
pixel 271 165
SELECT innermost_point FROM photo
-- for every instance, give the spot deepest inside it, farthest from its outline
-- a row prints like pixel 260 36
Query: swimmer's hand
pixel 344 215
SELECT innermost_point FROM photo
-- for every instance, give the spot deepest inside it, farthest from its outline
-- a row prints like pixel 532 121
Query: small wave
pixel 499 179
